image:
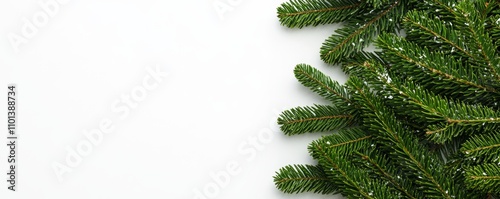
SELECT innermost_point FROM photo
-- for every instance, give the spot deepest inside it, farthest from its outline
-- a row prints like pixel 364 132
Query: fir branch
pixel 343 143
pixel 465 124
pixel 381 166
pixel 333 153
pixel 357 34
pixel 437 5
pixel 322 85
pixel 485 52
pixel 423 29
pixel 486 146
pixel 406 146
pixel 436 64
pixel 300 13
pixel 485 7
pixel 450 77
pixel 485 178
pixel 303 178
pixel 317 118
pixel 351 182
pixel 404 95
pixel 444 10
pixel 447 119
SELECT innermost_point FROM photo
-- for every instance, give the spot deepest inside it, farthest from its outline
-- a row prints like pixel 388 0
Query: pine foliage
pixel 302 178
pixel 418 118
pixel 316 118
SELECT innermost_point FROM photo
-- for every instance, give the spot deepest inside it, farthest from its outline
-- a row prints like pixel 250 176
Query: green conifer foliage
pixel 417 118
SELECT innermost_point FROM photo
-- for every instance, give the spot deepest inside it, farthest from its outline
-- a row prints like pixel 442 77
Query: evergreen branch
pixel 354 36
pixel 457 165
pixel 445 10
pixel 484 7
pixel 447 5
pixel 322 85
pixel 482 44
pixel 450 77
pixel 316 118
pixel 351 182
pixel 418 159
pixel 485 120
pixel 485 178
pixel 486 146
pixel 380 165
pixel 433 62
pixel 303 178
pixel 337 168
pixel 451 119
pixel 344 142
pixel 420 25
pixel 414 101
pixel 300 13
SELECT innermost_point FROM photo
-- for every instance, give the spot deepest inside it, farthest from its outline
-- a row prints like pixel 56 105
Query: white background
pixel 229 74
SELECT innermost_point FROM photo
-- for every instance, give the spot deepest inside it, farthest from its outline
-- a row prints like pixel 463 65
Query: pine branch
pixel 448 75
pixel 447 119
pixel 418 161
pixel 444 9
pixel 358 33
pixel 322 85
pixel 454 118
pixel 317 118
pixel 463 124
pixel 351 182
pixel 433 32
pixel 303 178
pixel 485 178
pixel 376 163
pixel 485 7
pixel 486 146
pixel 483 48
pixel 300 13
pixel 343 143
pixel 400 94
